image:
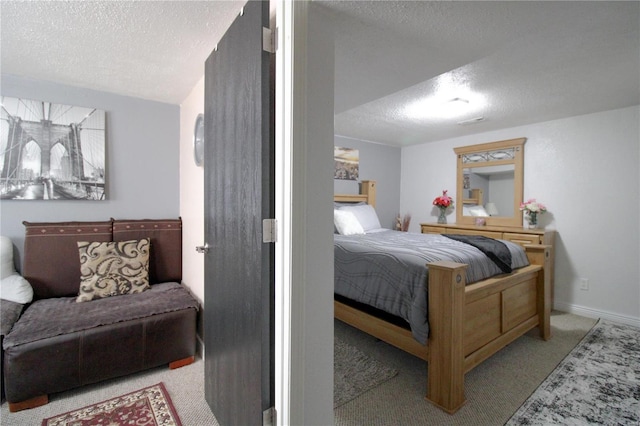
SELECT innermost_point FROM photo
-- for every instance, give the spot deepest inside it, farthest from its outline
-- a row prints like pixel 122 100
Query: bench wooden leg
pixel 29 403
pixel 181 362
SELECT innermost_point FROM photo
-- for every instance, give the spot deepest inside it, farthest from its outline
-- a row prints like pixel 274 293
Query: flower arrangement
pixel 532 208
pixel 402 222
pixel 443 201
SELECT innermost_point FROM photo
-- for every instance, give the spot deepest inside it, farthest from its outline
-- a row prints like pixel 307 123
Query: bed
pixel 465 323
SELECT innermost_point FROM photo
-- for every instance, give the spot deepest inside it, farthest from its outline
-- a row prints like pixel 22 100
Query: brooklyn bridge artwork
pixel 51 151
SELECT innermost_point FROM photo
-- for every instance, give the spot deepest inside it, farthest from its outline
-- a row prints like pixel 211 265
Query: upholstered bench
pixel 63 341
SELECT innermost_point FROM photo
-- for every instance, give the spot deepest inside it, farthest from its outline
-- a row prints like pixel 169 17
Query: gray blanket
pixel 387 270
pixel 495 250
pixel 9 314
pixel 61 315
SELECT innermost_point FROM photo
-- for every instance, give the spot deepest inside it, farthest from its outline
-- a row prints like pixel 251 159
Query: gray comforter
pixel 387 270
pixel 67 316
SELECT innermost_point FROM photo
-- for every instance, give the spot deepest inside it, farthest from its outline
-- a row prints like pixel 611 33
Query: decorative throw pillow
pixel 113 268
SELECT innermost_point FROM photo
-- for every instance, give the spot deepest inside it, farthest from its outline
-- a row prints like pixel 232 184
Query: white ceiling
pixel 526 61
pixel 153 50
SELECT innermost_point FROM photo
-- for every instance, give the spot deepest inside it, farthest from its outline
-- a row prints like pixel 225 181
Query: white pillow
pixel 6 257
pixel 16 289
pixel 12 286
pixel 366 215
pixel 346 223
pixel 478 211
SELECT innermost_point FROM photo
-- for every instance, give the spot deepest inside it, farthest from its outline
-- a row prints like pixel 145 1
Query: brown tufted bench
pixel 59 344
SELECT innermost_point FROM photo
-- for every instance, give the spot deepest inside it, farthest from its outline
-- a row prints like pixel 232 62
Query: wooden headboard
pixel 474 198
pixel 367 194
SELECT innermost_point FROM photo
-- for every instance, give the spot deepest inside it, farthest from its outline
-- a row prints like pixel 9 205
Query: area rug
pixel 150 406
pixel 354 373
pixel 597 383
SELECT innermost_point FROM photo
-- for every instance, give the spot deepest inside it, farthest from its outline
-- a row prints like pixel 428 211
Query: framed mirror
pixel 490 183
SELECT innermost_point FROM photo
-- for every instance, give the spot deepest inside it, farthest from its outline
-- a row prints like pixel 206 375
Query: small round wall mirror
pixel 198 141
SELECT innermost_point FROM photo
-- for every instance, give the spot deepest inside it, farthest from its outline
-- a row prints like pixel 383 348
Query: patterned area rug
pixel 146 407
pixel 355 373
pixel 597 383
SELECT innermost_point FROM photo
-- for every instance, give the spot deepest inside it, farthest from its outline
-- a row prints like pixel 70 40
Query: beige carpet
pixel 185 387
pixel 354 373
pixel 494 390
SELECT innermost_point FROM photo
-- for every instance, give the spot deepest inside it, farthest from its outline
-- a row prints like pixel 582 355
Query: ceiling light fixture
pixel 443 106
pixel 453 107
pixel 471 121
pixel 458 102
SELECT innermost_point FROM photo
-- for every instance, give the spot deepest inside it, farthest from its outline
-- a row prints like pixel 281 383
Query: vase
pixel 533 220
pixel 442 217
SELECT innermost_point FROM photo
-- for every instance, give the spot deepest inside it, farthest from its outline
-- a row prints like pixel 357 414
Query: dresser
pixel 518 235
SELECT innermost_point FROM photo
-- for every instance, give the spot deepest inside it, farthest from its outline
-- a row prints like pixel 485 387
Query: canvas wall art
pixel 51 151
pixel 347 163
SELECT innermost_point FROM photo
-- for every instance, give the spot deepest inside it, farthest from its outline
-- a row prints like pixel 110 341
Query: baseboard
pixel 596 313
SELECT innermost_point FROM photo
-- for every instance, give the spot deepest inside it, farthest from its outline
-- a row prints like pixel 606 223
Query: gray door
pixel 239 194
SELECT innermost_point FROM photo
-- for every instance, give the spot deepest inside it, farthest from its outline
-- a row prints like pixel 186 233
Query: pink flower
pixel 532 206
pixel 443 201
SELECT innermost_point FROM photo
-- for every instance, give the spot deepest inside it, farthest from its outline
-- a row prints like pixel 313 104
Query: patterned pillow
pixel 113 268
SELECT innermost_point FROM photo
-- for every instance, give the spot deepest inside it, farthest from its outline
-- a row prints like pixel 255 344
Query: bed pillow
pixel 337 205
pixel 478 211
pixel 113 268
pixel 341 204
pixel 366 215
pixel 346 223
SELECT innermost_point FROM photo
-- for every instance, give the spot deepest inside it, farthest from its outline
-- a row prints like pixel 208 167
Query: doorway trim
pixel 288 372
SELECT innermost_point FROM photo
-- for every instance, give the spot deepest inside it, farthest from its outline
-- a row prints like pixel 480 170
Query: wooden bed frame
pixel 468 323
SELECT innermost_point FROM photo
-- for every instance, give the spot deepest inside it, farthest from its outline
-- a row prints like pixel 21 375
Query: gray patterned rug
pixel 597 383
pixel 355 373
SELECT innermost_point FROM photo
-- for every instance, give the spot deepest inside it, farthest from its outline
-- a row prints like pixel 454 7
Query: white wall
pixel 500 188
pixel 380 163
pixel 192 198
pixel 585 169
pixel 312 212
pixel 141 160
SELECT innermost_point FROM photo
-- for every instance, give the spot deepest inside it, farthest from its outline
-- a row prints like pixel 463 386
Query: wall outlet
pixel 584 284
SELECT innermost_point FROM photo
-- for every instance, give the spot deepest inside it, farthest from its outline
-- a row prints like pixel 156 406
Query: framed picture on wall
pixel 347 163
pixel 51 151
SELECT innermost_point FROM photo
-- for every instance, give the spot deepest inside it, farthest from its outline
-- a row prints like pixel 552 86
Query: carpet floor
pixel 355 373
pixel 184 385
pixel 597 383
pixel 494 390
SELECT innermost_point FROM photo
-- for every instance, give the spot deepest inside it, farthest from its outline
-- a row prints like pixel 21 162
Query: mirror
pixel 490 183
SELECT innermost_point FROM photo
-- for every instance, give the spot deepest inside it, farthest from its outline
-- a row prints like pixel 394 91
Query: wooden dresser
pixel 521 236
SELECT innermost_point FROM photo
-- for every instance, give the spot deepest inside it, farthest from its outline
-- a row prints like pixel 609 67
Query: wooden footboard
pixel 468 323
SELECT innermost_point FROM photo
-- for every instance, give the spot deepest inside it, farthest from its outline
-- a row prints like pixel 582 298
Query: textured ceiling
pixel 516 62
pixel 147 49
